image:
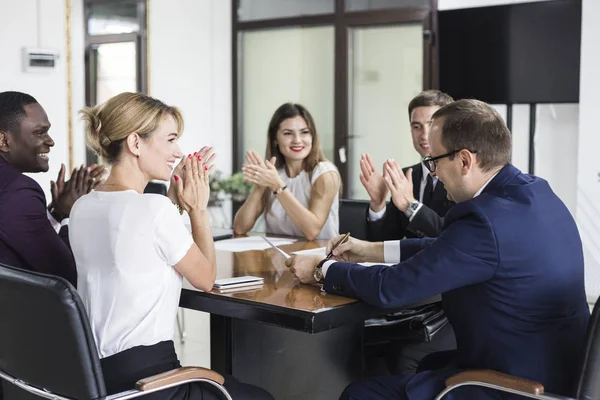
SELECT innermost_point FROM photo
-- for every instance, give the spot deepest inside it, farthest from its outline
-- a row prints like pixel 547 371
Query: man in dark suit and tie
pixel 420 211
pixel 28 239
pixel 508 263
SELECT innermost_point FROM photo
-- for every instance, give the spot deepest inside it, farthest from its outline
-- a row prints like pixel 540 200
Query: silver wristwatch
pixel 412 207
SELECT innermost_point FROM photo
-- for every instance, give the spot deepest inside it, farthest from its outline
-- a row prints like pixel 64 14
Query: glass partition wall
pixel 354 64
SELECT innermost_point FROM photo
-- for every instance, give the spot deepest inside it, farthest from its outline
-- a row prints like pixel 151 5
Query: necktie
pixel 428 192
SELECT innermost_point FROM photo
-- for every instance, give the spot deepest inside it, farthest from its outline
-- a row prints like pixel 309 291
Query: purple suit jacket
pixel 27 239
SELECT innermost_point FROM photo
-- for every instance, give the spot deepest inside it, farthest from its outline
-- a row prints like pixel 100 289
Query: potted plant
pixel 233 187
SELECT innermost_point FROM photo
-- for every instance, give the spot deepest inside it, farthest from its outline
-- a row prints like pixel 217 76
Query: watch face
pixel 414 205
pixel 318 275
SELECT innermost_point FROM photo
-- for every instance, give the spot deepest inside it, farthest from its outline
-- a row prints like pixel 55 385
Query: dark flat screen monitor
pixel 520 53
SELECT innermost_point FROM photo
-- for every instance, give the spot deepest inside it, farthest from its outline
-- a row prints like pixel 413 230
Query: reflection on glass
pixel 250 10
pixel 386 73
pixel 113 17
pixel 361 5
pixel 286 65
pixel 116 70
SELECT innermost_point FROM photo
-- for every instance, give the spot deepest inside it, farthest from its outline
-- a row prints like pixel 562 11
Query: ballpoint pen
pixel 344 239
pixel 283 253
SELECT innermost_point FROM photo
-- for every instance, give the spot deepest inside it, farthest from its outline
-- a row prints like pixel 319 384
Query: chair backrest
pixel 588 387
pixel 45 336
pixel 156 187
pixel 353 217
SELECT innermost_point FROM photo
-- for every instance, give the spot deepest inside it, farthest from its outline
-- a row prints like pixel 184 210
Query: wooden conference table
pixel 294 340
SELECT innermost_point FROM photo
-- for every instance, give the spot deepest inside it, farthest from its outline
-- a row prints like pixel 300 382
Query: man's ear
pixel 4 148
pixel 467 160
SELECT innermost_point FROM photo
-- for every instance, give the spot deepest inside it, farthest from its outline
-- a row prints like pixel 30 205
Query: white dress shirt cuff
pixel 55 224
pixel 376 215
pixel 415 212
pixel 391 251
pixel 326 266
pixel 391 255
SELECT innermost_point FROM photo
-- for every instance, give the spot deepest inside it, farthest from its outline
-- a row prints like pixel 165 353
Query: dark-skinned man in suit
pixel 28 229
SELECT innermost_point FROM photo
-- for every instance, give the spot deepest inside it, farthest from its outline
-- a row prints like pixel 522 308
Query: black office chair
pixel 47 348
pixel 353 218
pixel 588 384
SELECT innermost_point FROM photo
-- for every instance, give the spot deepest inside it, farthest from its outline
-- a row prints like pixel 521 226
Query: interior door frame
pixel 92 42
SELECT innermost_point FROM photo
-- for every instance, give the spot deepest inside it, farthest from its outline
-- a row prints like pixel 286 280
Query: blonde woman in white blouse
pixel 295 187
pixel 132 249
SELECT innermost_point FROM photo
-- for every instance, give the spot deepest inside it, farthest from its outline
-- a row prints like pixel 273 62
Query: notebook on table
pixel 238 282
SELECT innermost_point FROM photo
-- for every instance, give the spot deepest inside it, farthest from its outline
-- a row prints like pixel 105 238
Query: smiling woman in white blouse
pixel 132 249
pixel 295 187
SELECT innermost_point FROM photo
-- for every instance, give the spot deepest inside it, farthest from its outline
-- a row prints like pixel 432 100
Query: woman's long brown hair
pixel 287 111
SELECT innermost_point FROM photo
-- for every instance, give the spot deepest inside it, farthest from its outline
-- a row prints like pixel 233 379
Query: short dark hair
pixel 476 126
pixel 429 98
pixel 12 109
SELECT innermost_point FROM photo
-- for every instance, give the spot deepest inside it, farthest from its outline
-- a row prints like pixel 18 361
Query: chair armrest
pixel 498 379
pixel 178 375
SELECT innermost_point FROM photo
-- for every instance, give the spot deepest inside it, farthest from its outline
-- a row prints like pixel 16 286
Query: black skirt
pixel 122 370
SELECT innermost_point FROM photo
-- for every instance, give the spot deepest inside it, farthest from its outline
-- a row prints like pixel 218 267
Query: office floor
pixel 195 350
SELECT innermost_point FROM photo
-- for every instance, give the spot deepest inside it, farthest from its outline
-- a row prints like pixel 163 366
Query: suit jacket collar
pixel 506 174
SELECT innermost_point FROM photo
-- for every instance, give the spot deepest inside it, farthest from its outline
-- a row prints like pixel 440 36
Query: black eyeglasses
pixel 431 162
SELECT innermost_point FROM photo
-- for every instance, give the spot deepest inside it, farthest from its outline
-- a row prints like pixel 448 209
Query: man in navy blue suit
pixel 28 239
pixel 508 263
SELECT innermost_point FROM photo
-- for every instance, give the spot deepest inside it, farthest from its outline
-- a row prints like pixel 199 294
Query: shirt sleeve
pixel 376 215
pixel 171 237
pixel 391 251
pixel 322 168
pixel 391 254
pixel 55 224
pixel 465 254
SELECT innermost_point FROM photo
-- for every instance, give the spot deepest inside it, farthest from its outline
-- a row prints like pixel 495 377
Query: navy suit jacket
pixel 27 238
pixel 509 266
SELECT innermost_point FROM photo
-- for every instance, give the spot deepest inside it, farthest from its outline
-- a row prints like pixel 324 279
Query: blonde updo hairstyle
pixel 109 124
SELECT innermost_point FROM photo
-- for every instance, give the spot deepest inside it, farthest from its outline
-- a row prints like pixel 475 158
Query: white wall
pixel 20 29
pixel 190 67
pixel 588 178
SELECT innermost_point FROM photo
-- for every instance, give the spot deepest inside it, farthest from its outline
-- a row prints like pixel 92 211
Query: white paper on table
pixel 250 243
pixel 313 252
